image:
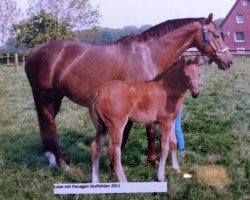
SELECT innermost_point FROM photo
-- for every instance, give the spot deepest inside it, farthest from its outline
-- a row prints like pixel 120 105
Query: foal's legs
pixel 165 134
pixel 47 106
pixel 151 134
pixel 114 150
pixel 96 145
pixel 173 147
pixel 96 148
pixel 115 159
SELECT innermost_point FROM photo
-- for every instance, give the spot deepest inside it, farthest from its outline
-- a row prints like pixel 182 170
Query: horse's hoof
pixel 52 159
pixel 111 167
pixel 161 179
pixel 123 181
pixel 154 162
pixel 95 182
pixel 66 168
pixel 178 171
pixel 63 165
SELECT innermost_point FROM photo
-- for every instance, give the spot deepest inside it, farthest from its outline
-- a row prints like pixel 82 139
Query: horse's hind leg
pixel 151 134
pixel 47 105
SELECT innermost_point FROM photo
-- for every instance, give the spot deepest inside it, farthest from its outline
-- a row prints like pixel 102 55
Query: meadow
pixel 217 134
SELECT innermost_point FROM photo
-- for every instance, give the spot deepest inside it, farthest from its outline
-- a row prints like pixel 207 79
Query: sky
pixel 120 13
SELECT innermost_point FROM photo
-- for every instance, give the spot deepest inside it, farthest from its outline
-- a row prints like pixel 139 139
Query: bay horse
pixel 75 69
pixel 159 101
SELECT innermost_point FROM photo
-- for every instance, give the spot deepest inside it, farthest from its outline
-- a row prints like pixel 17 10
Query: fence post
pixel 16 61
pixel 8 58
pixel 23 60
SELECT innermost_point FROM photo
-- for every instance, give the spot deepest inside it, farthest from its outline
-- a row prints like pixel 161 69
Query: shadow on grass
pixel 26 149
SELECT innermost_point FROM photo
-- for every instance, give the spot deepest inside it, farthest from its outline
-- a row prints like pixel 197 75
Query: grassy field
pixel 217 134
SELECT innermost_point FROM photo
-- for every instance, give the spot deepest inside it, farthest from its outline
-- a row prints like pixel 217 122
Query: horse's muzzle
pixel 195 95
pixel 224 63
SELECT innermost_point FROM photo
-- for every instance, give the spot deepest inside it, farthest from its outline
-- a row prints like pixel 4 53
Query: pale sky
pixel 120 13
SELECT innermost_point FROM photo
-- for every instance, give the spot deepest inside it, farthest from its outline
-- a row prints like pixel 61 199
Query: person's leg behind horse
pixel 179 132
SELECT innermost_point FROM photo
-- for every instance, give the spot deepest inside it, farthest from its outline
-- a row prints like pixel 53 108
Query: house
pixel 235 27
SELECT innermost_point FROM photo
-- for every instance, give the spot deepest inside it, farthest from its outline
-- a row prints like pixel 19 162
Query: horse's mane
pixel 161 76
pixel 158 30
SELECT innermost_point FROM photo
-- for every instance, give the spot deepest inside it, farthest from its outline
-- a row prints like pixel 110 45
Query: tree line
pixel 108 35
pixel 48 20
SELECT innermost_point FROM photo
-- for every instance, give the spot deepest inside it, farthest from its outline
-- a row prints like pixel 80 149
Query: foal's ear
pixel 209 18
pixel 196 59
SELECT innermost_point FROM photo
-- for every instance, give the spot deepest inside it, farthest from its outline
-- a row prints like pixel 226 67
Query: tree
pixel 9 14
pixel 41 28
pixel 79 13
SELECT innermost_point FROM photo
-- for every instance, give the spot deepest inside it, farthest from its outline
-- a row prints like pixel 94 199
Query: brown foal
pixel 117 102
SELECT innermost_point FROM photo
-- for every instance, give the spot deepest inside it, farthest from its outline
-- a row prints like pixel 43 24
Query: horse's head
pixel 191 71
pixel 210 42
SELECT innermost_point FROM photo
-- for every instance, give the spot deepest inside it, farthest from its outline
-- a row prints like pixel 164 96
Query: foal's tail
pixel 97 120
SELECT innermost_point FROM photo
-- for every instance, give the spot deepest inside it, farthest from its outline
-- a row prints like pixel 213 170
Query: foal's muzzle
pixel 194 87
pixel 195 95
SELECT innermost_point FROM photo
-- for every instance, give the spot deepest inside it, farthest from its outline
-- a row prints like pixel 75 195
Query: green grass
pixel 216 123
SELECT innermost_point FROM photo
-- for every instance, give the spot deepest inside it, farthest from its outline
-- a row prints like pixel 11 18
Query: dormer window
pixel 240 19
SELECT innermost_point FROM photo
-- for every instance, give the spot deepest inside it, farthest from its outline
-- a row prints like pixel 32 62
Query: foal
pixel 155 102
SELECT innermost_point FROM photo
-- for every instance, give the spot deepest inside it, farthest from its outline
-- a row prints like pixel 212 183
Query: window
pixel 241 50
pixel 239 37
pixel 245 3
pixel 240 19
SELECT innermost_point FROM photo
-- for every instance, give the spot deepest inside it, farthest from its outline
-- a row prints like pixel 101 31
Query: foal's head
pixel 191 71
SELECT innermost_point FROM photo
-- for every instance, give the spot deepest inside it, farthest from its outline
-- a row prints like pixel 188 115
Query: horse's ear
pixel 196 59
pixel 209 18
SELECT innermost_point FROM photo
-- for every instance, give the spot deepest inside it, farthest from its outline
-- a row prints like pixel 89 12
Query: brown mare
pixel 155 102
pixel 75 70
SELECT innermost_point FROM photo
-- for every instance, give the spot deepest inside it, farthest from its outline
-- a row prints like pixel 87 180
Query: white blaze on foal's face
pixel 192 72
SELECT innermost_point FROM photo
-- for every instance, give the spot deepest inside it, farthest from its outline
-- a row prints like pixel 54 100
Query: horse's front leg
pixel 126 133
pixel 165 135
pixel 151 135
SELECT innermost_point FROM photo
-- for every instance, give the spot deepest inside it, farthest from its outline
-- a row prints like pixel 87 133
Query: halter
pixel 194 81
pixel 207 39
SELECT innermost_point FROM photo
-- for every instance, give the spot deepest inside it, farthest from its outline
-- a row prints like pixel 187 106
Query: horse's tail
pixel 95 116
